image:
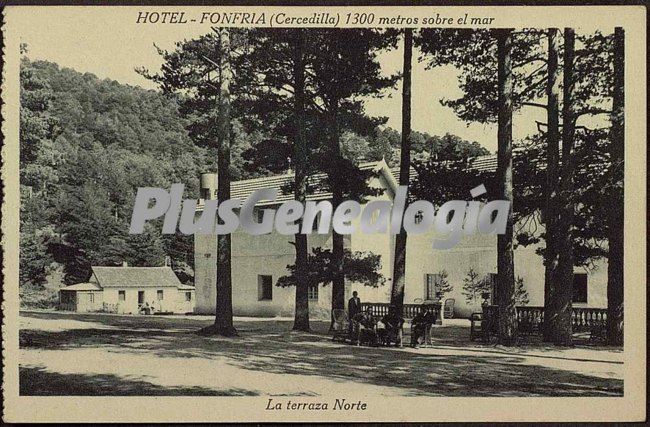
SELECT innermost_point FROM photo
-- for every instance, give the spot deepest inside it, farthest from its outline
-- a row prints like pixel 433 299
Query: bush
pixel 32 297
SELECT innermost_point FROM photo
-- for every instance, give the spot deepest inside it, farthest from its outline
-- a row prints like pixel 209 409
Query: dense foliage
pixel 361 267
pixel 86 146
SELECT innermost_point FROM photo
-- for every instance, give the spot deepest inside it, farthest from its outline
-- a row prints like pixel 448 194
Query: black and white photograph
pixel 324 213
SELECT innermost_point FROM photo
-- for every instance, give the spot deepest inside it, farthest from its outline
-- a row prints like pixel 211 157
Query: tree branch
pixel 593 111
pixel 535 104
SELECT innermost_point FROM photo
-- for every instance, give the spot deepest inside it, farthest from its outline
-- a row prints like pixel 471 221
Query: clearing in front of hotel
pixel 101 354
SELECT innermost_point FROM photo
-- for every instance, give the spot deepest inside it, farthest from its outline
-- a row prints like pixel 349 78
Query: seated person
pixel 393 323
pixel 381 333
pixel 421 326
pixel 365 323
pixel 145 309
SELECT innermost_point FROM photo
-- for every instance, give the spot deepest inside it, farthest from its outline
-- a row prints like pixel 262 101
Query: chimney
pixel 125 264
pixel 208 186
pixel 168 261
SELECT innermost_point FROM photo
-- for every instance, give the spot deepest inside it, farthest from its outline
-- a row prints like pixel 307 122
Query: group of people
pixel 364 327
pixel 147 309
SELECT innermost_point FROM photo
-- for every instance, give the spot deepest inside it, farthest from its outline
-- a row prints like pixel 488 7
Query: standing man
pixel 354 308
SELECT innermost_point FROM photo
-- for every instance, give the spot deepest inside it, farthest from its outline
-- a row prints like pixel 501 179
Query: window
pixel 419 216
pixel 206 193
pixel 432 286
pixel 580 287
pixel 264 287
pixel 312 292
pixel 188 296
pixel 314 225
pixel 121 295
pixel 92 297
pixel 159 293
pixel 260 215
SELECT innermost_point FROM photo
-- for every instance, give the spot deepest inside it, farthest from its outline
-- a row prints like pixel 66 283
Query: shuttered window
pixel 312 292
pixel 432 286
pixel 264 287
pixel 580 287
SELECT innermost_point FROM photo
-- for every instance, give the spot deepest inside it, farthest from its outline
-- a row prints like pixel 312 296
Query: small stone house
pixel 128 289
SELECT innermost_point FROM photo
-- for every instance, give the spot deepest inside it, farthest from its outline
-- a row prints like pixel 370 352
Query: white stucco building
pixel 126 289
pixel 258 261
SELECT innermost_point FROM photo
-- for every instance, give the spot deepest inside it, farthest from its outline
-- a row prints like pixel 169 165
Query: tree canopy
pixel 87 145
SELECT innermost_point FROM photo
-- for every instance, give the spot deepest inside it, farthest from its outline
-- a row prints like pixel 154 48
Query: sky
pixel 108 43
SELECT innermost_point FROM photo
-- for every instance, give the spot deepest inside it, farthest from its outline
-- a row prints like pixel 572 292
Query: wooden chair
pixel 598 333
pixel 483 325
pixel 449 308
pixel 340 325
pixel 526 327
pixel 475 330
pixel 425 340
pixel 393 336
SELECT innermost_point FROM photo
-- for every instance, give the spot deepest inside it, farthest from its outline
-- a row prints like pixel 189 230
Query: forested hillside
pixel 87 144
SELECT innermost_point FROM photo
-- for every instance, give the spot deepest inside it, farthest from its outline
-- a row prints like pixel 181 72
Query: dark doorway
pixel 140 298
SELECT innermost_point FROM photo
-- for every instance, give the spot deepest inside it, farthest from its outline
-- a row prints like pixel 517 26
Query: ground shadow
pixel 269 346
pixel 38 382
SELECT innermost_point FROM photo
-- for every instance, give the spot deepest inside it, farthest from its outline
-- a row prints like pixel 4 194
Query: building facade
pixel 126 290
pixel 259 261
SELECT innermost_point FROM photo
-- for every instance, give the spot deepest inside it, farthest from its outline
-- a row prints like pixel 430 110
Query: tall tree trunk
pixel 507 319
pixel 552 160
pixel 616 211
pixel 301 320
pixel 223 323
pixel 338 250
pixel 399 265
pixel 561 329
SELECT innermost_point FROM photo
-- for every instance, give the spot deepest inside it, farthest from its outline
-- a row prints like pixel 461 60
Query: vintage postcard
pixel 274 213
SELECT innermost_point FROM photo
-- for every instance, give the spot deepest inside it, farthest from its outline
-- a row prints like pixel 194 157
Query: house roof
pixel 243 189
pixel 141 277
pixel 183 287
pixel 484 163
pixel 315 183
pixel 480 164
pixel 82 287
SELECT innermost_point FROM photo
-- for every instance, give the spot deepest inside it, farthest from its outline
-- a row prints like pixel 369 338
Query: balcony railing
pixel 582 318
pixel 380 309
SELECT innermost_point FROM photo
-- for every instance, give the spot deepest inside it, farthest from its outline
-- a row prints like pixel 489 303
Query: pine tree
pixel 507 319
pixel 343 72
pixel 444 287
pixel 473 287
pixel 301 321
pixel 399 266
pixel 552 179
pixel 616 219
pixel 561 329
